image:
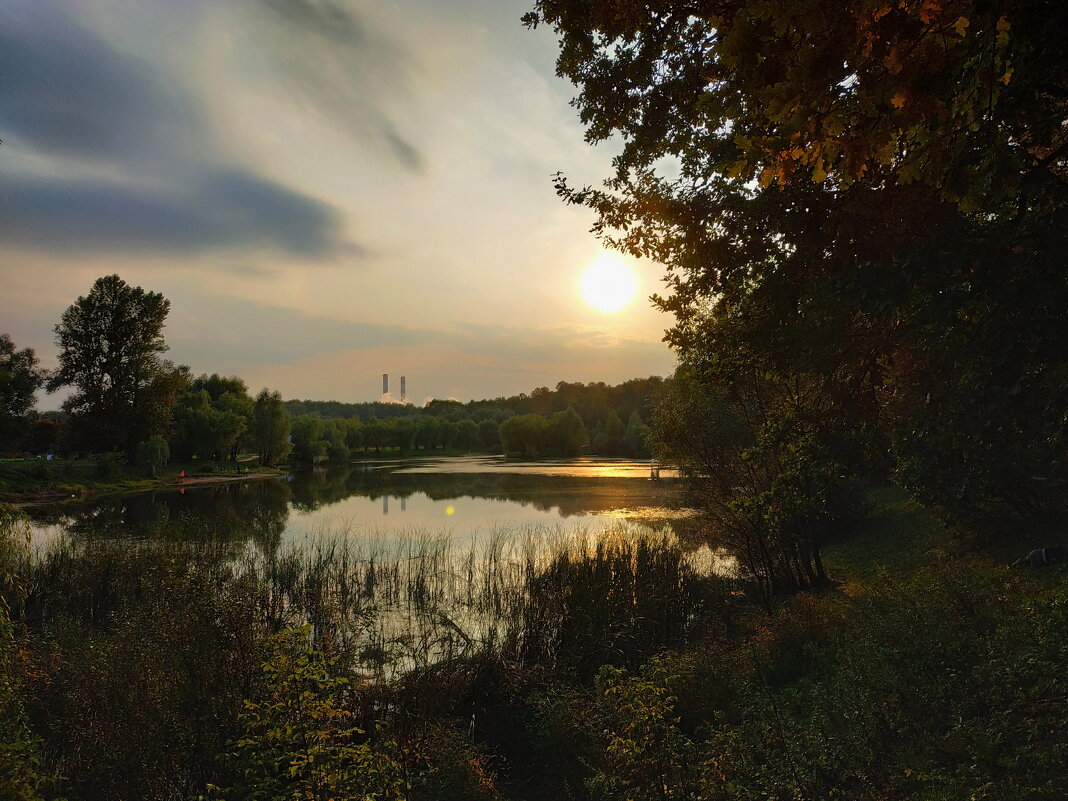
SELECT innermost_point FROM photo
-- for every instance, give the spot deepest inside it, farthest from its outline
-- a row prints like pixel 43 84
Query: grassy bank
pixel 38 480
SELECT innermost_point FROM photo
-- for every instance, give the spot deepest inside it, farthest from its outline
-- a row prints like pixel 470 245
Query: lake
pixel 461 498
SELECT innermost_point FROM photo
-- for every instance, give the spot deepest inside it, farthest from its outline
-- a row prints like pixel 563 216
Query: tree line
pixel 126 398
pixel 572 419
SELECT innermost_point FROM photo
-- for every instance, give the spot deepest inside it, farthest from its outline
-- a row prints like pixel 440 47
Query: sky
pixel 325 190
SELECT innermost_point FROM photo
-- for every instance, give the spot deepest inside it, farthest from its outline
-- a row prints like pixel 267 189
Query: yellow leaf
pixel 819 175
pixel 899 100
pixel 766 176
pixel 797 153
pixel 960 26
pixel 1006 77
pixel 736 169
pixel 893 63
pixel 1003 24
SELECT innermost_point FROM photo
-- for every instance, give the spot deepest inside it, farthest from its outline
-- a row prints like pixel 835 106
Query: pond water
pixel 459 498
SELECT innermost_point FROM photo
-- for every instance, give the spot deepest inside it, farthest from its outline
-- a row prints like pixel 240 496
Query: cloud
pixel 214 208
pixel 67 93
pixel 322 17
pixel 64 90
pixel 350 73
pixel 244 332
pixel 525 346
pixel 241 331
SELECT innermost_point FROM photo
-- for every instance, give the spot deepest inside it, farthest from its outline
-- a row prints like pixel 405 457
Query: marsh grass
pixel 141 654
pixel 398 603
pixel 534 594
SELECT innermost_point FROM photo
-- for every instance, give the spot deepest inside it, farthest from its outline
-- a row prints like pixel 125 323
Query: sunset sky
pixel 326 190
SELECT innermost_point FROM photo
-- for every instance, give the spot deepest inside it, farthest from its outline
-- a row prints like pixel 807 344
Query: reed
pixel 397 603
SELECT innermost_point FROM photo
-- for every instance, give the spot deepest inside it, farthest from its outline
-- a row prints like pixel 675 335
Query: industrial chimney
pixel 403 389
pixel 385 383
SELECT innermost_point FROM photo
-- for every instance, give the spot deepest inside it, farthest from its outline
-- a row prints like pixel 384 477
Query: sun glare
pixel 608 284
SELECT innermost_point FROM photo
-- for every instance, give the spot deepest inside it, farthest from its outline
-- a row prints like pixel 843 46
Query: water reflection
pixel 455 496
pixel 252 510
pixel 585 467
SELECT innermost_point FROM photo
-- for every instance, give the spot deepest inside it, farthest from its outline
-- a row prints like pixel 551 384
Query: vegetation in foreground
pixel 615 671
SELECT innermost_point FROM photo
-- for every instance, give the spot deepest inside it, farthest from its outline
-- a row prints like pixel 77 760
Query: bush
pixel 109 467
pixel 939 687
pixel 153 453
pixel 298 740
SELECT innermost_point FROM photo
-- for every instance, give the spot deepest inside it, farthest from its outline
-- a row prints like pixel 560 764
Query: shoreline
pixel 85 492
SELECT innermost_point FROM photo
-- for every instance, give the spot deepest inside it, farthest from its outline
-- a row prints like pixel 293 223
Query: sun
pixel 608 284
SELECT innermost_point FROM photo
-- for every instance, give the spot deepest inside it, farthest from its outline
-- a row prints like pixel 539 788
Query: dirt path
pixel 193 481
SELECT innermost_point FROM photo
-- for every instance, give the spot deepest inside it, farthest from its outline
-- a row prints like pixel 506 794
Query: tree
pixel 335 432
pixel 524 435
pixel 20 378
pixel 375 434
pixel 110 343
pixel 758 463
pixel 153 453
pixel 488 435
pixel 402 432
pixel 567 433
pixel 634 438
pixel 309 443
pixel 211 418
pixel 608 440
pixel 467 439
pixel 269 428
pixel 871 195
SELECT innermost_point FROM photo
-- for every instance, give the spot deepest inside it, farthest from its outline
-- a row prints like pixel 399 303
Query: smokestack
pixel 385 383
pixel 403 389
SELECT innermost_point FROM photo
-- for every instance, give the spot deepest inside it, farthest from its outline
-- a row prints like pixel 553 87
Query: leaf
pixel 736 169
pixel 1006 77
pixel 899 100
pixel 819 174
pixel 961 26
pixel 892 61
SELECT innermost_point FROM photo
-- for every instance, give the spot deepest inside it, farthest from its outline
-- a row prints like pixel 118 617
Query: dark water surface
pixel 461 498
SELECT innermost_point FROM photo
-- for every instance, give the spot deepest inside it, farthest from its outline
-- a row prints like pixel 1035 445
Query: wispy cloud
pixel 351 73
pixel 156 184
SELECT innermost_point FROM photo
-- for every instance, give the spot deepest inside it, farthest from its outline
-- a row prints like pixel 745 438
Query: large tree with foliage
pixel 20 378
pixel 269 428
pixel 110 344
pixel 211 418
pixel 868 197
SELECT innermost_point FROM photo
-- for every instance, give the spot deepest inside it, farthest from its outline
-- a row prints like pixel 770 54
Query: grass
pixel 32 480
pixel 900 535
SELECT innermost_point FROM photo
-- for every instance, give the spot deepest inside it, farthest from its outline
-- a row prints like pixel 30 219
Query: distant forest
pixel 572 418
pixel 131 402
